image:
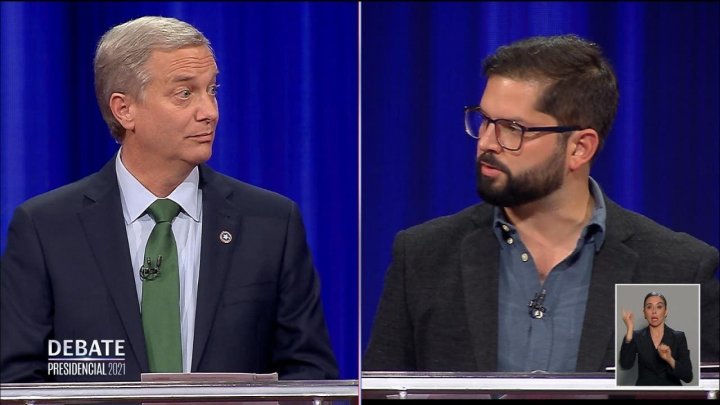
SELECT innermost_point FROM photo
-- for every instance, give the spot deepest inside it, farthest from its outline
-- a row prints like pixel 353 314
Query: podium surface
pixel 310 391
pixel 448 385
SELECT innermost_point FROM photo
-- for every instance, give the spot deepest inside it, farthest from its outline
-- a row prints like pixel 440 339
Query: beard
pixel 521 188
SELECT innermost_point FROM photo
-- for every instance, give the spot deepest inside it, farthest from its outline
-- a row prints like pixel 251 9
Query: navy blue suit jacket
pixel 652 369
pixel 67 274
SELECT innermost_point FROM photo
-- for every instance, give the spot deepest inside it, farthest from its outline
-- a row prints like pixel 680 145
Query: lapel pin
pixel 225 237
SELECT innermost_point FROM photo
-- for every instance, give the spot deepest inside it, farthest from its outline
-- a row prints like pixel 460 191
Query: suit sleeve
pixel 628 352
pixel 709 278
pixel 683 365
pixel 25 304
pixel 391 346
pixel 302 344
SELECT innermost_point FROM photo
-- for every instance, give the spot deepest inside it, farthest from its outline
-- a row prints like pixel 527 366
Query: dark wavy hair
pixel 580 84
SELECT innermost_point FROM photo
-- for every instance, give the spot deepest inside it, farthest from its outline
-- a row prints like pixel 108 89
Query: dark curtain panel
pixel 421 63
pixel 288 115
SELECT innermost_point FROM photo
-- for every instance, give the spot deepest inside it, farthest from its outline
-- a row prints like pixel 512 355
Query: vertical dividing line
pixel 359 197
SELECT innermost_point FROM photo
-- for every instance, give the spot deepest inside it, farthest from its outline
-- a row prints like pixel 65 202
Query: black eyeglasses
pixel 509 134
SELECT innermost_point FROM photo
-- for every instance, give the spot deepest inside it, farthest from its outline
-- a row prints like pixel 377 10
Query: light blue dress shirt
pixel 187 228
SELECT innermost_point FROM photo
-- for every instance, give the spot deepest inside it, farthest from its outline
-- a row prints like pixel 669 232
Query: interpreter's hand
pixel 666 354
pixel 628 318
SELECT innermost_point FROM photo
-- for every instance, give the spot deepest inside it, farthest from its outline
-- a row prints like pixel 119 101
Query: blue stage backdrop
pixel 288 107
pixel 421 63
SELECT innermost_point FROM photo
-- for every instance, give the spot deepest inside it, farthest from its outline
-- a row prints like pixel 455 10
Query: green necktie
pixel 161 291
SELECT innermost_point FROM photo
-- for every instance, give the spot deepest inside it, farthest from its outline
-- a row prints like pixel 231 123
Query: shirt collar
pixel 593 232
pixel 136 198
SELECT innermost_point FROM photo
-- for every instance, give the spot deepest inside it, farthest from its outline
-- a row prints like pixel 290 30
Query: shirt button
pixel 509 241
pixel 505 228
pixel 524 257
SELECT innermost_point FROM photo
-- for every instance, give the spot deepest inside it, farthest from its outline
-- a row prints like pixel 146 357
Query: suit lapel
pixel 215 256
pixel 105 232
pixel 648 353
pixel 479 269
pixel 614 264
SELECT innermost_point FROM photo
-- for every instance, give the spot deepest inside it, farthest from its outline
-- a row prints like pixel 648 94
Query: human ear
pixel 582 146
pixel 122 109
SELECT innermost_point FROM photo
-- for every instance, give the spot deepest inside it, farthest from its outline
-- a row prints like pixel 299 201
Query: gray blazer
pixel 439 306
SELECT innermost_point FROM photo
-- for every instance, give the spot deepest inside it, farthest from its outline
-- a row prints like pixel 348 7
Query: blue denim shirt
pixel 549 343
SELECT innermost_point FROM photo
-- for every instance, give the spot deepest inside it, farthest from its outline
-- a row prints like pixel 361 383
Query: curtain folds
pixel 288 115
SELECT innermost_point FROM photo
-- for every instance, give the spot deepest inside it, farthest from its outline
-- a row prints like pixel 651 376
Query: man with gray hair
pixel 157 263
